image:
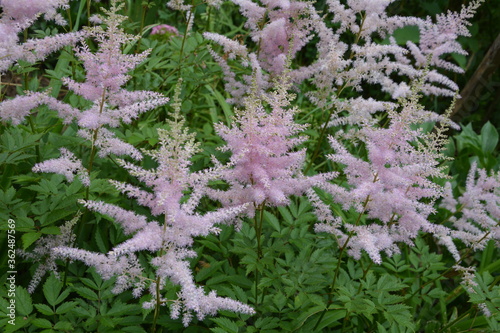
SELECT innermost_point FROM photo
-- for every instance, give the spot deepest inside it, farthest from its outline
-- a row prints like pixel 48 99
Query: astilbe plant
pixel 386 185
pixel 111 103
pixel 169 238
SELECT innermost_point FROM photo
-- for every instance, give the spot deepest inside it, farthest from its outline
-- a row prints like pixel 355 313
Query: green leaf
pixel 228 113
pixel 44 309
pixel 86 293
pixel 24 306
pixel 29 238
pixel 51 290
pixel 332 317
pixel 489 138
pixel 66 307
pixel 53 230
pixel 279 300
pixel 42 323
pixel 120 308
pixel 272 220
pixel 227 324
pixel 63 325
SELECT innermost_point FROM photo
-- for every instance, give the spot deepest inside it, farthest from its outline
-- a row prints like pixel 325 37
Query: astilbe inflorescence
pixel 106 75
pixel 392 192
pixel 42 252
pixel 475 214
pixel 18 15
pixel 280 29
pixel 265 167
pixel 171 237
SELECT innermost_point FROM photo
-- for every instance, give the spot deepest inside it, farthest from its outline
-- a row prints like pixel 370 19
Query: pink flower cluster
pixel 164 29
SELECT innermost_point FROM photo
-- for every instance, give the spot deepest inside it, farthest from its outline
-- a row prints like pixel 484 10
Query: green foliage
pixel 297 280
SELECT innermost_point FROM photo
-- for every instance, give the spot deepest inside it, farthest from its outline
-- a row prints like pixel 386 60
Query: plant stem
pixel 157 305
pixel 259 218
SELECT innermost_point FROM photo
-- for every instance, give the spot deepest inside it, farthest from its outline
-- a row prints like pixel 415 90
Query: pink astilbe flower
pixel 265 169
pixel 42 252
pixel 108 143
pixel 67 165
pixel 18 15
pixel 171 236
pixel 280 29
pixel 18 108
pixel 476 213
pixel 106 73
pixel 392 189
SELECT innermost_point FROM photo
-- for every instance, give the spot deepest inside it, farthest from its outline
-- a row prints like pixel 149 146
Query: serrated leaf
pixel 66 307
pixel 120 308
pixel 65 293
pixel 86 293
pixel 44 309
pixel 279 300
pixel 211 245
pixel 63 325
pixel 89 283
pixel 51 289
pixel 42 323
pixel 81 312
pixel 29 238
pixel 56 215
pixel 272 220
pixel 24 305
pixel 227 324
pixel 108 322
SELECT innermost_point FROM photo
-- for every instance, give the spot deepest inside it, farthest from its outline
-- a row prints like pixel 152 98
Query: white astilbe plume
pixel 42 251
pixel 171 236
pixel 475 216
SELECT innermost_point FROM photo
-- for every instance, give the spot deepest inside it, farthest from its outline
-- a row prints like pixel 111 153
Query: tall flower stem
pixel 259 220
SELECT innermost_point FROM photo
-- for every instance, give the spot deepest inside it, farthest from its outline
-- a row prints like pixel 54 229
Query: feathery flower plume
pixel 264 168
pixel 171 238
pixel 107 70
pixel 18 15
pixel 67 165
pixel 392 189
pixel 476 213
pixel 42 252
pixel 282 28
